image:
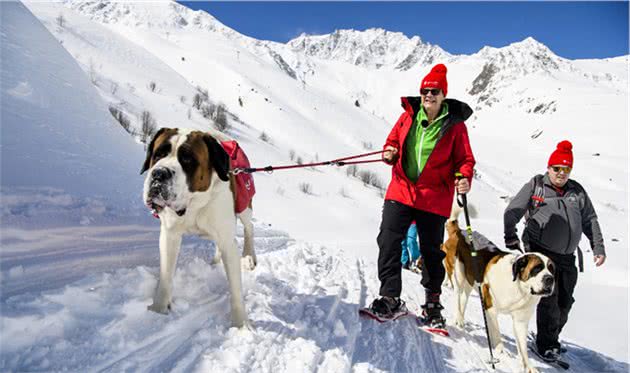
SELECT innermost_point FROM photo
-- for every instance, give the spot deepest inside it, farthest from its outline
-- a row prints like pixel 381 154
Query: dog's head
pixel 452 227
pixel 535 272
pixel 181 163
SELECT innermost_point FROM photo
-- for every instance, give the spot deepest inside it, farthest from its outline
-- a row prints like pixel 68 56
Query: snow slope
pixel 74 292
pixel 59 143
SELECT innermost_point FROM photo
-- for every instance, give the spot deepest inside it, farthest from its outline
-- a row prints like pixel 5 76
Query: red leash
pixel 335 162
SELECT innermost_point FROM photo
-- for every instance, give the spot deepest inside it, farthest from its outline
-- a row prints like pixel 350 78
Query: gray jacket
pixel 558 223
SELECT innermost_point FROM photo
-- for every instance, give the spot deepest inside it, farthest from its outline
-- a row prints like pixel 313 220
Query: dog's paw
pixel 499 350
pixel 159 308
pixel 247 327
pixel 217 259
pixel 530 369
pixel 459 322
pixel 248 263
pixel 240 323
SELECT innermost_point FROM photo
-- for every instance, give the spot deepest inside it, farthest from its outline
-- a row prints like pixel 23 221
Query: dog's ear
pixel 551 266
pixel 218 157
pixel 518 266
pixel 147 161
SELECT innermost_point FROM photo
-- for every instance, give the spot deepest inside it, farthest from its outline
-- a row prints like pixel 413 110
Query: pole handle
pixel 464 201
pixel 461 198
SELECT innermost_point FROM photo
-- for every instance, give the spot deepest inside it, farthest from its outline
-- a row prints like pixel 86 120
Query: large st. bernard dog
pixel 189 186
pixel 511 284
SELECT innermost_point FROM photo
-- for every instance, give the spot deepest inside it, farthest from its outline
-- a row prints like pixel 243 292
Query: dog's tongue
pixel 155 205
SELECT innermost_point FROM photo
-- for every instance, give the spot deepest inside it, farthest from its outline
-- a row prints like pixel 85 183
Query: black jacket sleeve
pixel 515 211
pixel 590 227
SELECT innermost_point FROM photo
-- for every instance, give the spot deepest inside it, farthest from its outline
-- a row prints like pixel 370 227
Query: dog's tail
pixel 456 210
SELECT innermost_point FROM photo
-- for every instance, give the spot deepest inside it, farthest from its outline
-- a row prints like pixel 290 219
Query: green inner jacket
pixel 421 141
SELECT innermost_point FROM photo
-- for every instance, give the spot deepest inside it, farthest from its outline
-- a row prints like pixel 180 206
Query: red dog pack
pixel 244 182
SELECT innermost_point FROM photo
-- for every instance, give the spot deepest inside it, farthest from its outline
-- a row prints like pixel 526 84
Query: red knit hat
pixel 562 155
pixel 436 79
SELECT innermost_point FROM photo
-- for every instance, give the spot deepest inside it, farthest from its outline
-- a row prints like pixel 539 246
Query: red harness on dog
pixel 244 182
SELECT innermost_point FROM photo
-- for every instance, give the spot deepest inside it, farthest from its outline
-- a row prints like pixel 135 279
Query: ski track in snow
pixel 302 302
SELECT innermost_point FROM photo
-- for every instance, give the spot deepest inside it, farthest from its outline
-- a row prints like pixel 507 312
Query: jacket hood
pixel 458 111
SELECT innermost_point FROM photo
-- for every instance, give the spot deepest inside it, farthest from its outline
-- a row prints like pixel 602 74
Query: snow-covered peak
pixel 502 66
pixel 524 46
pixel 367 36
pixel 373 47
pixel 164 14
pixel 523 57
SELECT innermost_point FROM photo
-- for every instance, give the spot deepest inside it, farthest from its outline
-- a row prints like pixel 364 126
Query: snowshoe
pixel 551 356
pixel 433 327
pixel 431 319
pixel 385 309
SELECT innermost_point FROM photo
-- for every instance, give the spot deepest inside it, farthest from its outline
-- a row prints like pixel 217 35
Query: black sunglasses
pixel 434 91
pixel 565 169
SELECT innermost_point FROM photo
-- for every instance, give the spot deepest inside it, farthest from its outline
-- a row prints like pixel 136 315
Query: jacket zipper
pixel 424 130
pixel 440 135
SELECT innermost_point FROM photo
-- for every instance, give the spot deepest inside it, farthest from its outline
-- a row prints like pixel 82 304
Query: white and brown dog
pixel 189 186
pixel 511 284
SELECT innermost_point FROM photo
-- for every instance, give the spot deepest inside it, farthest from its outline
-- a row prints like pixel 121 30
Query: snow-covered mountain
pixel 372 48
pixel 504 67
pixel 522 58
pixel 160 14
pixel 82 285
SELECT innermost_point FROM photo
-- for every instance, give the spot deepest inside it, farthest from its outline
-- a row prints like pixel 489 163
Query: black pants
pixel 553 311
pixel 396 221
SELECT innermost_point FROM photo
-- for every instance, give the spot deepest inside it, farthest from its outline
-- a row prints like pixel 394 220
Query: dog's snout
pixel 161 174
pixel 548 281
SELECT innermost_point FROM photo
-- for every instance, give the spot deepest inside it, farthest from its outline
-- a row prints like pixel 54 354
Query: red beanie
pixel 562 155
pixel 436 79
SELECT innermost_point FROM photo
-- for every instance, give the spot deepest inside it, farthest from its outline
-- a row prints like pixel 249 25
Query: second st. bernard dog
pixel 511 284
pixel 189 186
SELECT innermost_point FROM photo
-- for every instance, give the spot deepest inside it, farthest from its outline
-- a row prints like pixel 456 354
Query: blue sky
pixel 569 29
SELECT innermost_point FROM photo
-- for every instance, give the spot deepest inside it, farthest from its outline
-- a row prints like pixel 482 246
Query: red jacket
pixel 435 188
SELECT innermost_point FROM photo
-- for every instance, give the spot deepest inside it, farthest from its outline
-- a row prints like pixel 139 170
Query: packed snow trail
pixel 302 302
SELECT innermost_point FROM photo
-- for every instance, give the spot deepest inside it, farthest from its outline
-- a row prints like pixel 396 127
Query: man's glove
pixel 514 245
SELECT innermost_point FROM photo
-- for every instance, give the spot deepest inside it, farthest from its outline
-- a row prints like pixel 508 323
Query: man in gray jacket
pixel 557 211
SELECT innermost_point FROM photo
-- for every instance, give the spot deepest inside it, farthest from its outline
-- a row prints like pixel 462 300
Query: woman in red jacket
pixel 427 146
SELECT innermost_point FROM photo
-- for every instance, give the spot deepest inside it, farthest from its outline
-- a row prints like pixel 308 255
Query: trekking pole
pixel 473 253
